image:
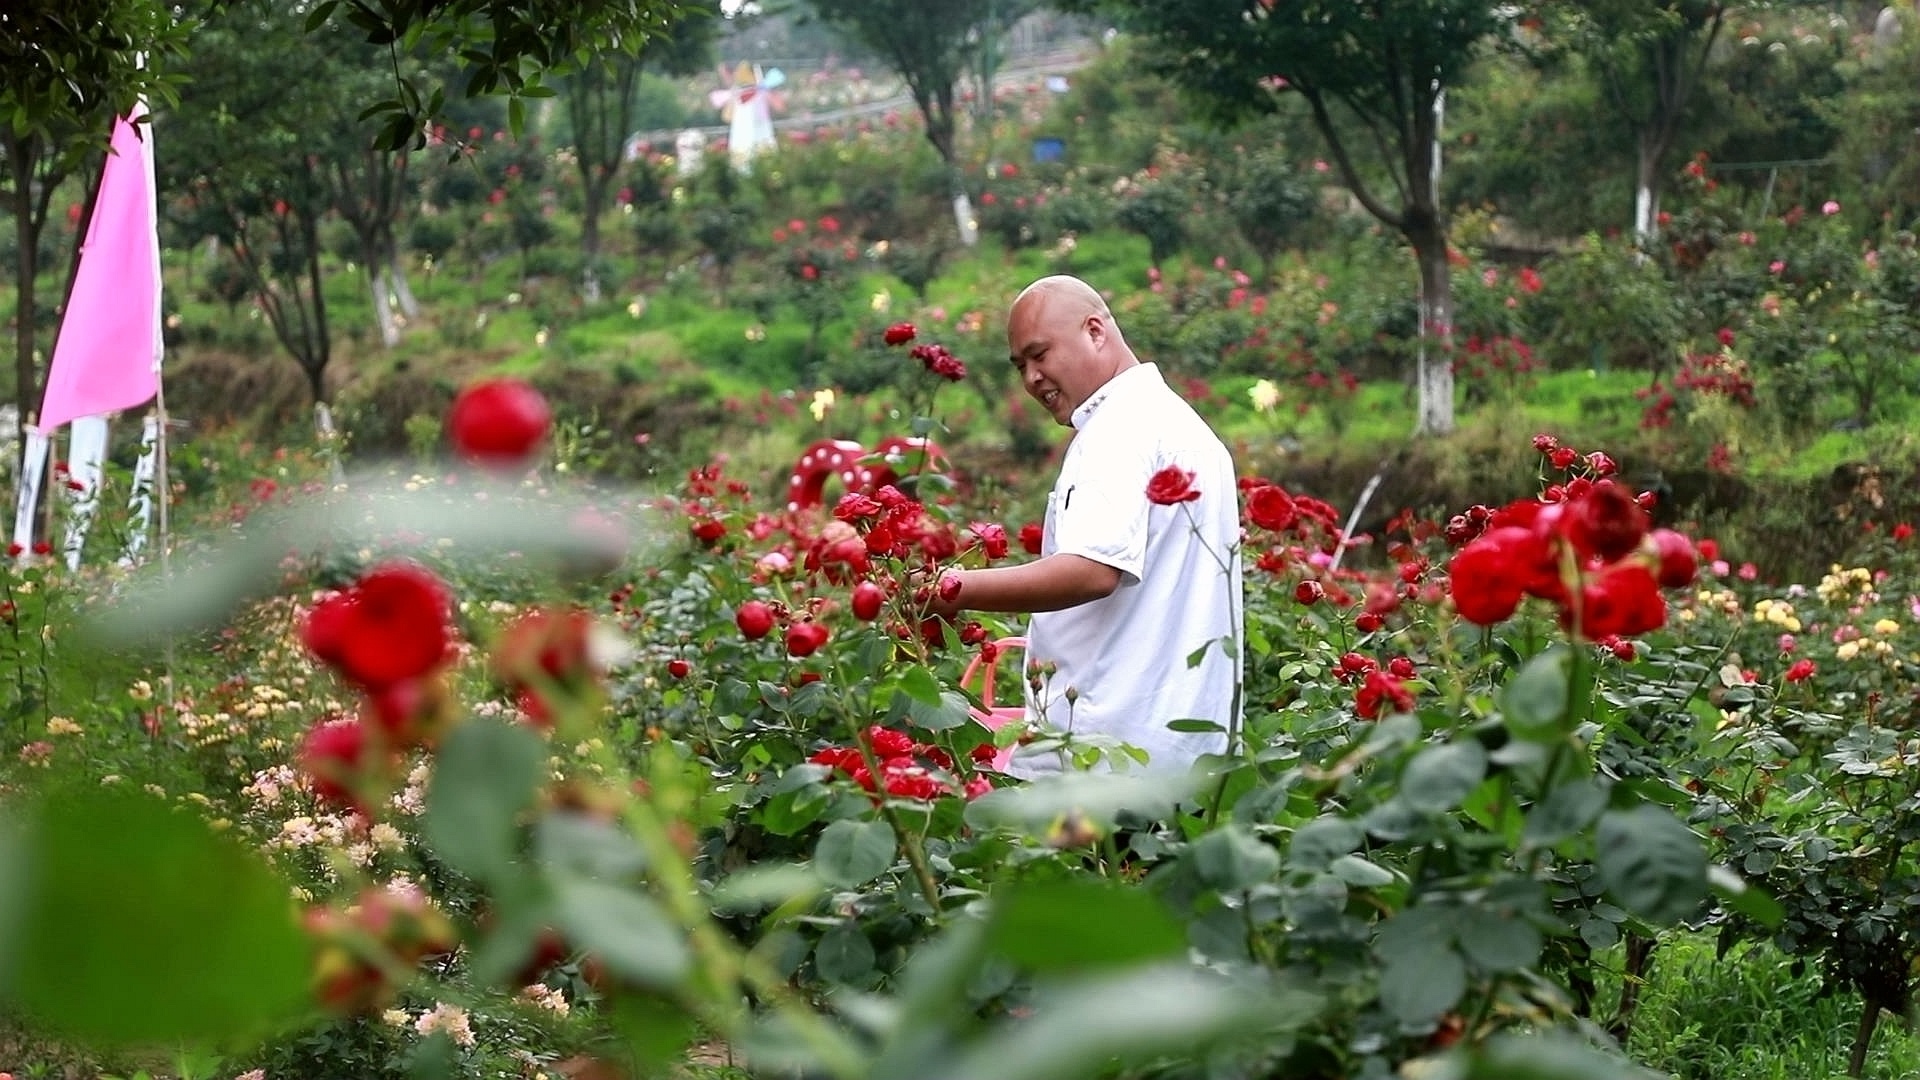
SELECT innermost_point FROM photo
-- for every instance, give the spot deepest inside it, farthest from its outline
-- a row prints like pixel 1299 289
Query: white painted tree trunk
pixel 963 218
pixel 383 309
pixel 402 292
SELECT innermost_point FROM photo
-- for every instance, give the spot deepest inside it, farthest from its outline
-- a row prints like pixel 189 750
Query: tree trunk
pixel 1632 977
pixel 1646 194
pixel 26 268
pixel 397 276
pixel 383 305
pixel 1863 1037
pixel 592 204
pixel 1434 363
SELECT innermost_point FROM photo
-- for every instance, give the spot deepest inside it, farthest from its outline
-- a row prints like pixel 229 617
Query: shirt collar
pixel 1135 374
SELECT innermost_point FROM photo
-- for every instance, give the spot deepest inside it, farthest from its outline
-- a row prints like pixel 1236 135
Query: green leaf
pixel 951 712
pixel 1195 726
pixel 762 886
pixel 1231 858
pixel 1420 980
pixel 1440 776
pixel 919 684
pixel 1360 872
pixel 1533 704
pixel 586 847
pixel 1495 942
pixel 1549 1056
pixel 626 930
pixel 1566 811
pixel 137 924
pixel 516 115
pixel 1096 797
pixel 844 954
pixel 1075 924
pixel 852 853
pixel 655 1032
pixel 1740 895
pixel 1100 1026
pixel 1651 863
pixel 484 778
pixel 1318 842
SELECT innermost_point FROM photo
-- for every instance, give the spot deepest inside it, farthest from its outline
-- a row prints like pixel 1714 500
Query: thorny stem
pixel 1234 732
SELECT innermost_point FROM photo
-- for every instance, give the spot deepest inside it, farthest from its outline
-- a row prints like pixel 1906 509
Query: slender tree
pixel 1374 74
pixel 930 46
pixel 600 100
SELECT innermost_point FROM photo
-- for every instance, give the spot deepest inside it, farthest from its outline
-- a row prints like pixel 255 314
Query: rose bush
pixel 745 770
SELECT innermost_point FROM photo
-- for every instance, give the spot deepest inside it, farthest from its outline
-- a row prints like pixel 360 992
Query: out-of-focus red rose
pixel 499 422
pixel 1623 600
pixel 1605 523
pixel 393 627
pixel 1032 536
pixel 1379 692
pixel 754 618
pixel 1677 563
pixel 899 333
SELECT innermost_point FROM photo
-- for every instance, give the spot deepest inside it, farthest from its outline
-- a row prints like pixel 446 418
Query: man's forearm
pixel 1049 584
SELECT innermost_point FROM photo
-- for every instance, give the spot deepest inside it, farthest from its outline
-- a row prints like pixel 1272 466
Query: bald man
pixel 1124 590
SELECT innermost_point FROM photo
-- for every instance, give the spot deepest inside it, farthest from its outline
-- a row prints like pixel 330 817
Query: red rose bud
pixel 1563 457
pixel 1309 592
pixel 1606 523
pixel 336 756
pixel 499 423
pixel 1546 444
pixel 1381 692
pixel 1032 537
pixel 950 587
pixel 1271 508
pixel 1171 485
pixel 1400 667
pixel 1599 464
pixel 679 668
pixel 326 628
pixel 1367 622
pixel 805 638
pixel 868 599
pixel 395 628
pixel 755 619
pixel 899 333
pixel 1677 565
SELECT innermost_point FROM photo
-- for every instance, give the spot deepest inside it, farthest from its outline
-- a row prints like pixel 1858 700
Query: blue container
pixel 1048 148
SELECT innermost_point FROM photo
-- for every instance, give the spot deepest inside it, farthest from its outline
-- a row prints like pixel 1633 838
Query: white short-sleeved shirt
pixel 1126 654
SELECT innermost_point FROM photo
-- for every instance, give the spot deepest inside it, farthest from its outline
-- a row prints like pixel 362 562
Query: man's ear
pixel 1096 330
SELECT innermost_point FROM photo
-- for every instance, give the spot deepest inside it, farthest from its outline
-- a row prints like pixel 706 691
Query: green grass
pixel 1748 1017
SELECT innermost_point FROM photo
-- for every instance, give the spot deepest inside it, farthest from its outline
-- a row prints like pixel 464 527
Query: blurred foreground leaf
pixel 1087 1028
pixel 571 533
pixel 1097 798
pixel 135 923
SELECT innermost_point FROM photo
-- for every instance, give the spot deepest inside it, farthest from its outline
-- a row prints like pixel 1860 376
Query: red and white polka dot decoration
pixel 854 466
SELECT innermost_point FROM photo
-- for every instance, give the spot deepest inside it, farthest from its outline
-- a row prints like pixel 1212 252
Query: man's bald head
pixel 1064 296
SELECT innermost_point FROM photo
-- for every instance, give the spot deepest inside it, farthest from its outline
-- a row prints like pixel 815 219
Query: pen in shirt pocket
pixel 1066 501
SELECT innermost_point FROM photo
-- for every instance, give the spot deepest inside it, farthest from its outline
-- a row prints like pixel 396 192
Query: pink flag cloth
pixel 107 356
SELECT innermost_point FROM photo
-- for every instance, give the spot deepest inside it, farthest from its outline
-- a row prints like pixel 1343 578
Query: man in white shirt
pixel 1127 587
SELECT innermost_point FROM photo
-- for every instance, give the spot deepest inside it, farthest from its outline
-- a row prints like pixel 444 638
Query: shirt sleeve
pixel 1101 512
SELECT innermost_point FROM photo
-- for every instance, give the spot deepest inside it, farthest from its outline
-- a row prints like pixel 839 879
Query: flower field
pixel 494 773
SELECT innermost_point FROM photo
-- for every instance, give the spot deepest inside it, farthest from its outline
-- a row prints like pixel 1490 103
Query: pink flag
pixel 107 356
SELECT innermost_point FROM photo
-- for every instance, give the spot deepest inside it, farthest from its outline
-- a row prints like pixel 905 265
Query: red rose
pixel 1677 563
pixel 899 333
pixel 1171 485
pixel 1563 457
pixel 1800 671
pixel 1483 579
pixel 805 638
pixel 844 758
pixel 1032 536
pixel 335 755
pixel 708 530
pixel 1605 523
pixel 1270 507
pixel 755 619
pixel 394 627
pixel 1902 532
pixel 888 743
pixel 1309 592
pixel 1381 691
pixel 325 630
pixel 544 646
pixel 1624 600
pixel 1367 622
pixel 993 539
pixel 855 506
pixel 868 599
pixel 679 668
pixel 499 422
